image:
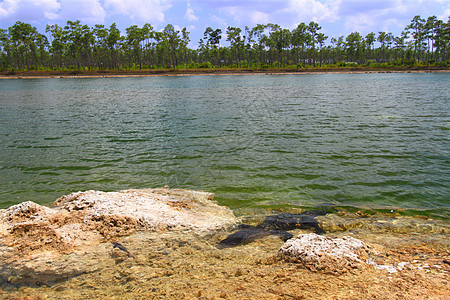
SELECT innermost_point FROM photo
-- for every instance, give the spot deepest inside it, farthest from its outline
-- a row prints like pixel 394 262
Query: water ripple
pixel 348 139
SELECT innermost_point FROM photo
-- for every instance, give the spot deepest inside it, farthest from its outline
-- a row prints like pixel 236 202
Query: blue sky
pixel 337 17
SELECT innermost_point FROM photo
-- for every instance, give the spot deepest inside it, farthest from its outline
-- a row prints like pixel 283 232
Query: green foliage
pixel 425 42
pixel 276 64
pixel 345 64
pixel 205 65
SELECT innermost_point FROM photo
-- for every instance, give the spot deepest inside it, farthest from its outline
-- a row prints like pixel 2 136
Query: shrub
pixel 205 65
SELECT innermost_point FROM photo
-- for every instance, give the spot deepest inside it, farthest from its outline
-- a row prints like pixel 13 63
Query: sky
pixel 337 17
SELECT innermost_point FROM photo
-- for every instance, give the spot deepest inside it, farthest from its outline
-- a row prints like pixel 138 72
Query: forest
pixel 76 46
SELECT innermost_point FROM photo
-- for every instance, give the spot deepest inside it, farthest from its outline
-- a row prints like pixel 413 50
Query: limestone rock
pixel 151 209
pixel 38 243
pixel 320 253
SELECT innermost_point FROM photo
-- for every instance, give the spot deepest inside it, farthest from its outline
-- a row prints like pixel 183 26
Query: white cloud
pixel 246 16
pixel 258 17
pixel 315 10
pixel 360 23
pixel 141 11
pixel 445 14
pixel 90 11
pixel 384 17
pixel 390 15
pixel 3 13
pixel 28 10
pixel 222 22
pixel 190 15
pixel 236 12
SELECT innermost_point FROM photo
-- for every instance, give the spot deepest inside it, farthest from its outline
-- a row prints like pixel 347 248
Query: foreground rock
pixel 320 253
pixel 151 209
pixel 40 243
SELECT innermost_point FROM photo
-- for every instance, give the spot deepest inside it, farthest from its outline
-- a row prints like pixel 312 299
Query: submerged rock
pixel 383 224
pixel 320 253
pixel 247 234
pixel 274 225
pixel 41 244
pixel 288 221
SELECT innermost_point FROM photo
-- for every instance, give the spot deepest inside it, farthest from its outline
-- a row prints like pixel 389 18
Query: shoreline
pixel 207 72
pixel 96 257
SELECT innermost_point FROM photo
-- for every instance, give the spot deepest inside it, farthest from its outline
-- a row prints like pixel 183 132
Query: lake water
pixel 359 140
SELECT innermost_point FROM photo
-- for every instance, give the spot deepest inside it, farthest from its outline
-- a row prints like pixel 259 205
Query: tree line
pixel 76 46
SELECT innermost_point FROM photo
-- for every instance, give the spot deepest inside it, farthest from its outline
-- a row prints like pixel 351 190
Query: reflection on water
pixel 377 140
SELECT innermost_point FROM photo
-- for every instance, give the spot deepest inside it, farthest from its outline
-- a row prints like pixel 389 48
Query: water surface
pixel 363 140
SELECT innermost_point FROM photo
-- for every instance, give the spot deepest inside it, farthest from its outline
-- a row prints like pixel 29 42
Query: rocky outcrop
pixel 41 242
pixel 321 253
pixel 149 209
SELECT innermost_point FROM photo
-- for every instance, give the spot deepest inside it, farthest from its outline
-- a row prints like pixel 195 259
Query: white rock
pixel 317 252
pixel 390 268
pixel 153 209
pixel 38 243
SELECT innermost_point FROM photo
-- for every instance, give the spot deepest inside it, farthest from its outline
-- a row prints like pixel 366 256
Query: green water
pixel 359 140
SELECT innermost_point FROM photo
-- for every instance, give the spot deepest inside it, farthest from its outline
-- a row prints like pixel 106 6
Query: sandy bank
pixel 212 72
